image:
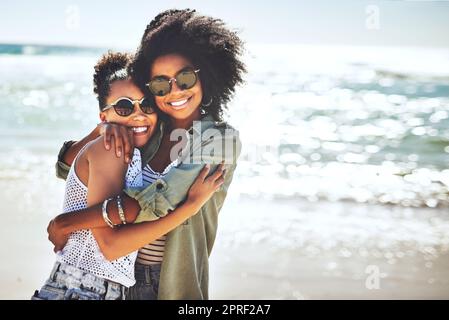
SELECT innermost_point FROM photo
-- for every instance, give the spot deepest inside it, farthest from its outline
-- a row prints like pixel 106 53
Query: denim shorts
pixel 147 282
pixel 67 282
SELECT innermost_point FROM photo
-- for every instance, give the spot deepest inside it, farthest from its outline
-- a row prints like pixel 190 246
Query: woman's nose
pixel 138 113
pixel 175 87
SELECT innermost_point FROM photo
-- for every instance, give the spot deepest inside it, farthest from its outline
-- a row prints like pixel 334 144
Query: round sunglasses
pixel 185 79
pixel 124 106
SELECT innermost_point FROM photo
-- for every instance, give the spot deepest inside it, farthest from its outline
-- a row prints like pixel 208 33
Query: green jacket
pixel 185 267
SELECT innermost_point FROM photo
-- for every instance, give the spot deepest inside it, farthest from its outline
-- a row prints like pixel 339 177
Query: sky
pixel 120 24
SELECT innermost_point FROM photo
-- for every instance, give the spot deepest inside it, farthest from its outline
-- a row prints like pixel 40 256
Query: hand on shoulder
pixel 96 152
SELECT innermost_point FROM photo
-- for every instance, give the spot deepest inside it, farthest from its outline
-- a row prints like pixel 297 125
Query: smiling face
pixel 178 104
pixel 142 124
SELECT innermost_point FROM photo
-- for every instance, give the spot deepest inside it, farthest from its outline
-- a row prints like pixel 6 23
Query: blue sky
pixel 120 24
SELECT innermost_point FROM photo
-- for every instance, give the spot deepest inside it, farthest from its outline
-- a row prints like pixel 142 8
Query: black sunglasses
pixel 124 106
pixel 185 79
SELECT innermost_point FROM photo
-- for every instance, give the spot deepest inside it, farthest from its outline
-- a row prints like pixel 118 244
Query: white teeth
pixel 178 103
pixel 140 129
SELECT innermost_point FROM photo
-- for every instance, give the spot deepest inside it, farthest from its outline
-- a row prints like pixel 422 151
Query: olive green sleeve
pixel 62 169
pixel 167 193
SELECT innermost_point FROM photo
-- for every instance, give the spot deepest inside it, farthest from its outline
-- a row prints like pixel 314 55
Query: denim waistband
pixel 72 276
pixel 147 274
pixel 149 267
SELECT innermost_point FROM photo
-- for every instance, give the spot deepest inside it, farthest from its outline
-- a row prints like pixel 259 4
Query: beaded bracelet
pixel 105 213
pixel 121 213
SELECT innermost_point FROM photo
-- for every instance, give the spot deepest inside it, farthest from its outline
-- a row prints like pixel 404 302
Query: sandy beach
pixel 257 273
pixel 315 251
pixel 263 266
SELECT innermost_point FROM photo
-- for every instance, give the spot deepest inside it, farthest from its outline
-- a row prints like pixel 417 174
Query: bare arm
pixel 118 242
pixel 73 150
pixel 115 243
pixel 106 173
pixel 104 179
pixel 124 143
pixel 60 227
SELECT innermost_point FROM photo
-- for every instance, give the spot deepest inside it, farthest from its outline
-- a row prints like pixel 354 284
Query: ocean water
pixel 338 123
pixel 345 123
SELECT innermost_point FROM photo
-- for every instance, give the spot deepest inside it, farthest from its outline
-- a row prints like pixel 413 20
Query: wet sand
pixel 257 273
pixel 278 249
pixel 329 259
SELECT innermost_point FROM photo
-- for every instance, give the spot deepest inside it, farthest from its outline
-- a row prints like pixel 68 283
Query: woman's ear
pixel 102 117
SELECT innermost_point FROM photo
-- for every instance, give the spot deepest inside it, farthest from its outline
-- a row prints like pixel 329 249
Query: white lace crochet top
pixel 82 250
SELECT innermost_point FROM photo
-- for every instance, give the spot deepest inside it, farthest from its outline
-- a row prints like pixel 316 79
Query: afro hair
pixel 206 42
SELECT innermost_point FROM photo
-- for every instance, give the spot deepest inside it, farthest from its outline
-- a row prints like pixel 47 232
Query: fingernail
pixel 119 154
pixel 127 159
pixel 108 147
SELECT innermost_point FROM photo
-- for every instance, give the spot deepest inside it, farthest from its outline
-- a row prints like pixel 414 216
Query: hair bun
pixel 112 66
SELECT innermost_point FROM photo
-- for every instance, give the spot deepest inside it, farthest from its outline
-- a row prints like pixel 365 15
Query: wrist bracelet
pixel 121 213
pixel 105 213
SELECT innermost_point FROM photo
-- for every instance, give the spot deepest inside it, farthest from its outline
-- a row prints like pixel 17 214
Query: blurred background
pixel 342 186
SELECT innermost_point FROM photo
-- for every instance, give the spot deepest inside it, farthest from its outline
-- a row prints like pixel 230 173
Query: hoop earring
pixel 207 104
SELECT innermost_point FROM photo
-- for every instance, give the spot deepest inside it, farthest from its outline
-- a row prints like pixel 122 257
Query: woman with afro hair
pixel 189 65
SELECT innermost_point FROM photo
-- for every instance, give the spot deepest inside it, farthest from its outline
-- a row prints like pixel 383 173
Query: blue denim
pixel 67 282
pixel 147 282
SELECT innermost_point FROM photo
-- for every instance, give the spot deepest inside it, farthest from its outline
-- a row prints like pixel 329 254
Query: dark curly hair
pixel 111 67
pixel 206 42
